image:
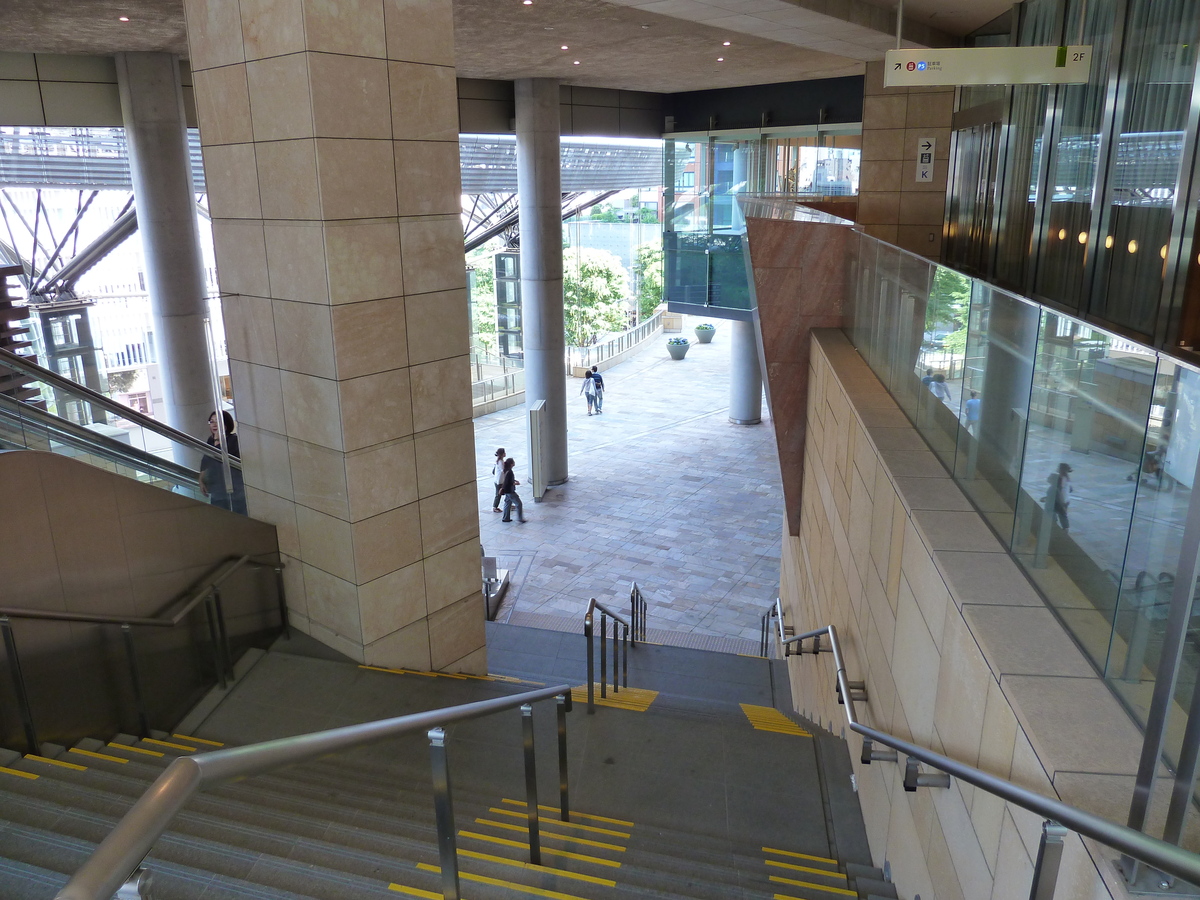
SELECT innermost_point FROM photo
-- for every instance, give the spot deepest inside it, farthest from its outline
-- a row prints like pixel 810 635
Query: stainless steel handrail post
pixel 603 657
pixel 226 651
pixel 616 642
pixel 1049 857
pixel 531 795
pixel 564 806
pixel 281 596
pixel 591 664
pixel 135 678
pixel 215 637
pixel 625 664
pixel 18 677
pixel 443 808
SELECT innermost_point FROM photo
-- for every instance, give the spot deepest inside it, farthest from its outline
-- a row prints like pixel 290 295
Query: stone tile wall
pixel 958 653
pixel 892 204
pixel 330 135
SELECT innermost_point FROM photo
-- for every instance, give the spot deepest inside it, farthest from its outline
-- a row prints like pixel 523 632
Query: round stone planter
pixel 705 335
pixel 678 351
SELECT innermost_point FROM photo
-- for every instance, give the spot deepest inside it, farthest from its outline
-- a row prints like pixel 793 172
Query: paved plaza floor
pixel 663 490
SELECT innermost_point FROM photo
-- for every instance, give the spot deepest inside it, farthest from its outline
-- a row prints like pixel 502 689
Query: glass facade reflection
pixel 1083 196
pixel 1077 445
pixel 704 264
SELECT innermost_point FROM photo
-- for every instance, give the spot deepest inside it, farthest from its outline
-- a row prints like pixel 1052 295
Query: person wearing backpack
pixel 598 383
pixel 589 391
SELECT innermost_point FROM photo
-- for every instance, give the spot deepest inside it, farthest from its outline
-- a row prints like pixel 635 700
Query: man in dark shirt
pixel 599 382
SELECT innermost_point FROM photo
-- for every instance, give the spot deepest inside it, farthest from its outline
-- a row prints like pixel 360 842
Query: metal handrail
pixel 207 591
pixel 637 613
pixel 775 610
pixel 83 438
pixel 23 365
pixel 588 634
pixel 120 854
pixel 226 568
pixel 1166 858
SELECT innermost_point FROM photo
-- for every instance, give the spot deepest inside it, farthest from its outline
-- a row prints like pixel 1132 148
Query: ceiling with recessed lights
pixel 653 45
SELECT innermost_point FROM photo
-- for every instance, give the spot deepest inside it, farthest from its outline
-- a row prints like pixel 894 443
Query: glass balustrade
pixel 1079 447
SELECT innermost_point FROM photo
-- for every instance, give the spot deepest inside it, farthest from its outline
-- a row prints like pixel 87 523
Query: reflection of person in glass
pixel 973 413
pixel 1059 494
pixel 940 389
pixel 212 473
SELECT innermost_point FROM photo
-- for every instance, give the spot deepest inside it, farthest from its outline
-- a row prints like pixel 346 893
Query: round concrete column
pixel 539 190
pixel 152 110
pixel 745 376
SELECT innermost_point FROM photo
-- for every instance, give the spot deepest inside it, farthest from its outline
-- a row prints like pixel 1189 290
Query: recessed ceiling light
pixel 564 47
pixel 575 63
pixel 527 2
pixel 725 44
pixel 720 59
pixel 122 18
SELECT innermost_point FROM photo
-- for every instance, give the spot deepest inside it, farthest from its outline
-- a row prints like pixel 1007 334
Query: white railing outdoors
pixel 498 387
pixel 586 357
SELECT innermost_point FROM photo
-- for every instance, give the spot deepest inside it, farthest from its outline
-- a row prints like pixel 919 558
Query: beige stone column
pixel 330 137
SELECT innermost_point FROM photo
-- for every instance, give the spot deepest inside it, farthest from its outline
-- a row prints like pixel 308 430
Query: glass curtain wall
pixel 703 261
pixel 1077 140
pixel 1090 178
pixel 1077 445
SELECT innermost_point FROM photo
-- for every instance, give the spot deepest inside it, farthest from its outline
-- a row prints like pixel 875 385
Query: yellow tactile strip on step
pixel 767 718
pixel 633 699
pixel 457 676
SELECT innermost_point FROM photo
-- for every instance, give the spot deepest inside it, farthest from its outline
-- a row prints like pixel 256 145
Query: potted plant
pixel 705 332
pixel 678 347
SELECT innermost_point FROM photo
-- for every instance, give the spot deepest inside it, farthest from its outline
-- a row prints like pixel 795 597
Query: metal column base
pixel 745 421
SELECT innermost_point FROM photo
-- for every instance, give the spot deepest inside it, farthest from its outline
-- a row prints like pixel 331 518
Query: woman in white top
pixel 498 478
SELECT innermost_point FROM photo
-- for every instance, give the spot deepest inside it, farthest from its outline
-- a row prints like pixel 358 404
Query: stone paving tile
pixel 663 491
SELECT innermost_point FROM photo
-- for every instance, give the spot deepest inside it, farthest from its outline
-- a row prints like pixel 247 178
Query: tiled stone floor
pixel 663 491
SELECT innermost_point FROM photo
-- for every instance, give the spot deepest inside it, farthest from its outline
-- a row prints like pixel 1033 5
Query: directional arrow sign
pixel 925 148
pixel 987 65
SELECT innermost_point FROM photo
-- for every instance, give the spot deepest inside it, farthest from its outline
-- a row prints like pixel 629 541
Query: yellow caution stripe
pixel 795 855
pixel 94 755
pixel 521 845
pixel 512 886
pixel 633 699
pixel 808 869
pixel 196 740
pixel 19 773
pixel 142 750
pixel 415 672
pixel 414 892
pixel 808 885
pixel 55 762
pixel 592 828
pixel 569 838
pixel 183 747
pixel 548 870
pixel 767 718
pixel 577 815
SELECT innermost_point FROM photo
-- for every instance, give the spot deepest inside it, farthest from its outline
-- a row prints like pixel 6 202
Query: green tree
pixel 949 305
pixel 593 295
pixel 648 279
pixel 483 305
pixel 123 382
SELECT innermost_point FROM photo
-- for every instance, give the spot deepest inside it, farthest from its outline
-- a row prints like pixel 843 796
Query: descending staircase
pixel 362 825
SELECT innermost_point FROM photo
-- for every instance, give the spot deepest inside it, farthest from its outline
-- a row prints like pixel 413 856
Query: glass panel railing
pixel 1079 448
pixel 40 410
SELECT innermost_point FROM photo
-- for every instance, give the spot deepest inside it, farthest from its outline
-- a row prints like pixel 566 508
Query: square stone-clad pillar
pixel 330 135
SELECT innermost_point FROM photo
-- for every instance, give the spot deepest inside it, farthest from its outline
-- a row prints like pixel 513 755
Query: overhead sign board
pixel 987 65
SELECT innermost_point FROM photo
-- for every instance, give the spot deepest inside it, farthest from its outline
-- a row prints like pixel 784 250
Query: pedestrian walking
pixel 973 413
pixel 940 389
pixel 598 384
pixel 498 477
pixel 589 391
pixel 1059 494
pixel 509 489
